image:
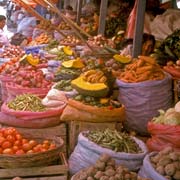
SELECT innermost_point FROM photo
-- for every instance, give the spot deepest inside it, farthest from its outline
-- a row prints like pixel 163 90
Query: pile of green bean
pixel 27 102
pixel 114 140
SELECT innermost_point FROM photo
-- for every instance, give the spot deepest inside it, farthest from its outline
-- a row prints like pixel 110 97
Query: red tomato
pixel 46 142
pixel 18 136
pixel 2 139
pixel 52 146
pixel 26 147
pixel 1 150
pixel 45 146
pixel 6 144
pixel 9 131
pixel 24 141
pixel 43 150
pixel 15 148
pixel 8 151
pixel 19 152
pixel 10 138
pixel 30 152
pixel 32 143
pixel 17 143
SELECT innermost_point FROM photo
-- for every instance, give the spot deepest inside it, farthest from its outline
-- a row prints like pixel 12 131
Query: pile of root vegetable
pixel 167 163
pixel 105 168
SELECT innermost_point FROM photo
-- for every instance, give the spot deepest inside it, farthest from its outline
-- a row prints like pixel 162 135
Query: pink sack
pixel 14 89
pixel 28 115
pixel 29 123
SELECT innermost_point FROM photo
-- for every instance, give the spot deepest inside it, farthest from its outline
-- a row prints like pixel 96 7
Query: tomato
pixel 2 139
pixel 8 151
pixel 24 141
pixel 19 152
pixel 17 143
pixel 10 138
pixel 30 152
pixel 26 147
pixel 52 146
pixel 45 146
pixel 6 144
pixel 1 150
pixel 15 148
pixel 32 143
pixel 1 134
pixel 18 136
pixel 37 148
pixel 9 131
pixel 46 142
pixel 43 150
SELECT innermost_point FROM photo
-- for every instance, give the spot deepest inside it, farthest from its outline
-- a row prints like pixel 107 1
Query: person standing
pixel 3 38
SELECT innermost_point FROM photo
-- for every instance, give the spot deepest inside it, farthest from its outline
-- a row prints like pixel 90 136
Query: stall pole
pixel 79 7
pixel 102 18
pixel 139 27
pixel 66 3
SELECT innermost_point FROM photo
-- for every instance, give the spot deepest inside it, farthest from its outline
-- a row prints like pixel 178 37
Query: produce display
pixel 173 68
pixel 63 26
pixel 63 85
pixel 168 49
pixel 142 69
pixel 46 25
pixel 167 163
pixel 12 51
pixel 106 168
pixel 12 142
pixel 169 117
pixel 70 39
pixel 43 38
pixel 99 102
pixel 73 63
pixel 114 140
pixel 26 102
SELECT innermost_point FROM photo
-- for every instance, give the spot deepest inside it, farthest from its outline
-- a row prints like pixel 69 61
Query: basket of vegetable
pixel 162 165
pixel 106 168
pixel 27 150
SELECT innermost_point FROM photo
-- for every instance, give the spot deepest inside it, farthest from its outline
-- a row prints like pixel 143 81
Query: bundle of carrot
pixel 142 69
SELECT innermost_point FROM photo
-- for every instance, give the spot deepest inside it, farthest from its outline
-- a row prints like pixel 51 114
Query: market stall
pixel 74 107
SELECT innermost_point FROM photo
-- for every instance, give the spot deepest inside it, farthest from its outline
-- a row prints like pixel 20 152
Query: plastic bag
pixel 143 100
pixel 11 120
pixel 13 90
pixel 52 103
pixel 87 152
pixel 51 112
pixel 147 170
pixel 163 136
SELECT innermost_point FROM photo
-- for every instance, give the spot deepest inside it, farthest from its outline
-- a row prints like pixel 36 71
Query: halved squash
pixel 90 89
pixel 74 63
pixel 122 59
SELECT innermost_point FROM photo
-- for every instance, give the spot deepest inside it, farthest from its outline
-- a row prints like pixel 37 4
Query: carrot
pixel 144 76
pixel 148 59
pixel 144 69
pixel 140 63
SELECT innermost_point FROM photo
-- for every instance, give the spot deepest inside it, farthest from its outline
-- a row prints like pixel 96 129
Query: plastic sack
pixel 143 100
pixel 13 90
pixel 52 103
pixel 87 152
pixel 163 136
pixel 28 122
pixel 28 115
pixel 87 113
pixel 147 170
pixel 4 80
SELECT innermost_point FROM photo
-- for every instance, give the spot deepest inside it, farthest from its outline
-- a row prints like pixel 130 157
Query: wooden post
pixel 102 18
pixel 79 7
pixel 139 27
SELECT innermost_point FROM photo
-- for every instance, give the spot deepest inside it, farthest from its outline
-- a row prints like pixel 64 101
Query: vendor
pixel 3 38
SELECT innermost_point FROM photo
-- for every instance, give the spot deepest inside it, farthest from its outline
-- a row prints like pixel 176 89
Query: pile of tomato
pixel 12 142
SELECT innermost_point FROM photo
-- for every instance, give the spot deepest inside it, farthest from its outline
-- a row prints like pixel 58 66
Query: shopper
pixel 3 38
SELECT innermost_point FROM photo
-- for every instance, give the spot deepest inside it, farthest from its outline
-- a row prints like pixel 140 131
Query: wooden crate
pixel 60 130
pixel 58 171
pixel 75 127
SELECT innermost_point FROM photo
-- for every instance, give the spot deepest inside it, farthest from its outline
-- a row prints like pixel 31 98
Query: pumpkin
pixel 122 59
pixel 74 63
pixel 90 89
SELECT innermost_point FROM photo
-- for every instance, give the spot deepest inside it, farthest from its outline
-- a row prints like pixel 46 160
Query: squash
pixel 90 89
pixel 67 50
pixel 31 60
pixel 122 59
pixel 75 63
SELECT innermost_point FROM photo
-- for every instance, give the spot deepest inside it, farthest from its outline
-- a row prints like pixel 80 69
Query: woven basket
pixel 35 159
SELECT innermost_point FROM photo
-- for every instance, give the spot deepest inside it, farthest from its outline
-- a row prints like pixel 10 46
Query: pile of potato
pixel 105 168
pixel 167 163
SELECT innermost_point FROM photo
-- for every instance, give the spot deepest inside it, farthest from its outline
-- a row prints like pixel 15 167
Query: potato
pixel 90 178
pixel 91 171
pixel 104 157
pixel 177 175
pixel 164 161
pixel 173 156
pixel 100 165
pixel 170 169
pixel 166 151
pixel 111 162
pixel 127 176
pixel 98 174
pixel 112 178
pixel 160 170
pixel 109 172
pixel 168 177
pixel 83 176
pixel 108 167
pixel 155 159
pixel 177 165
pixel 104 178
